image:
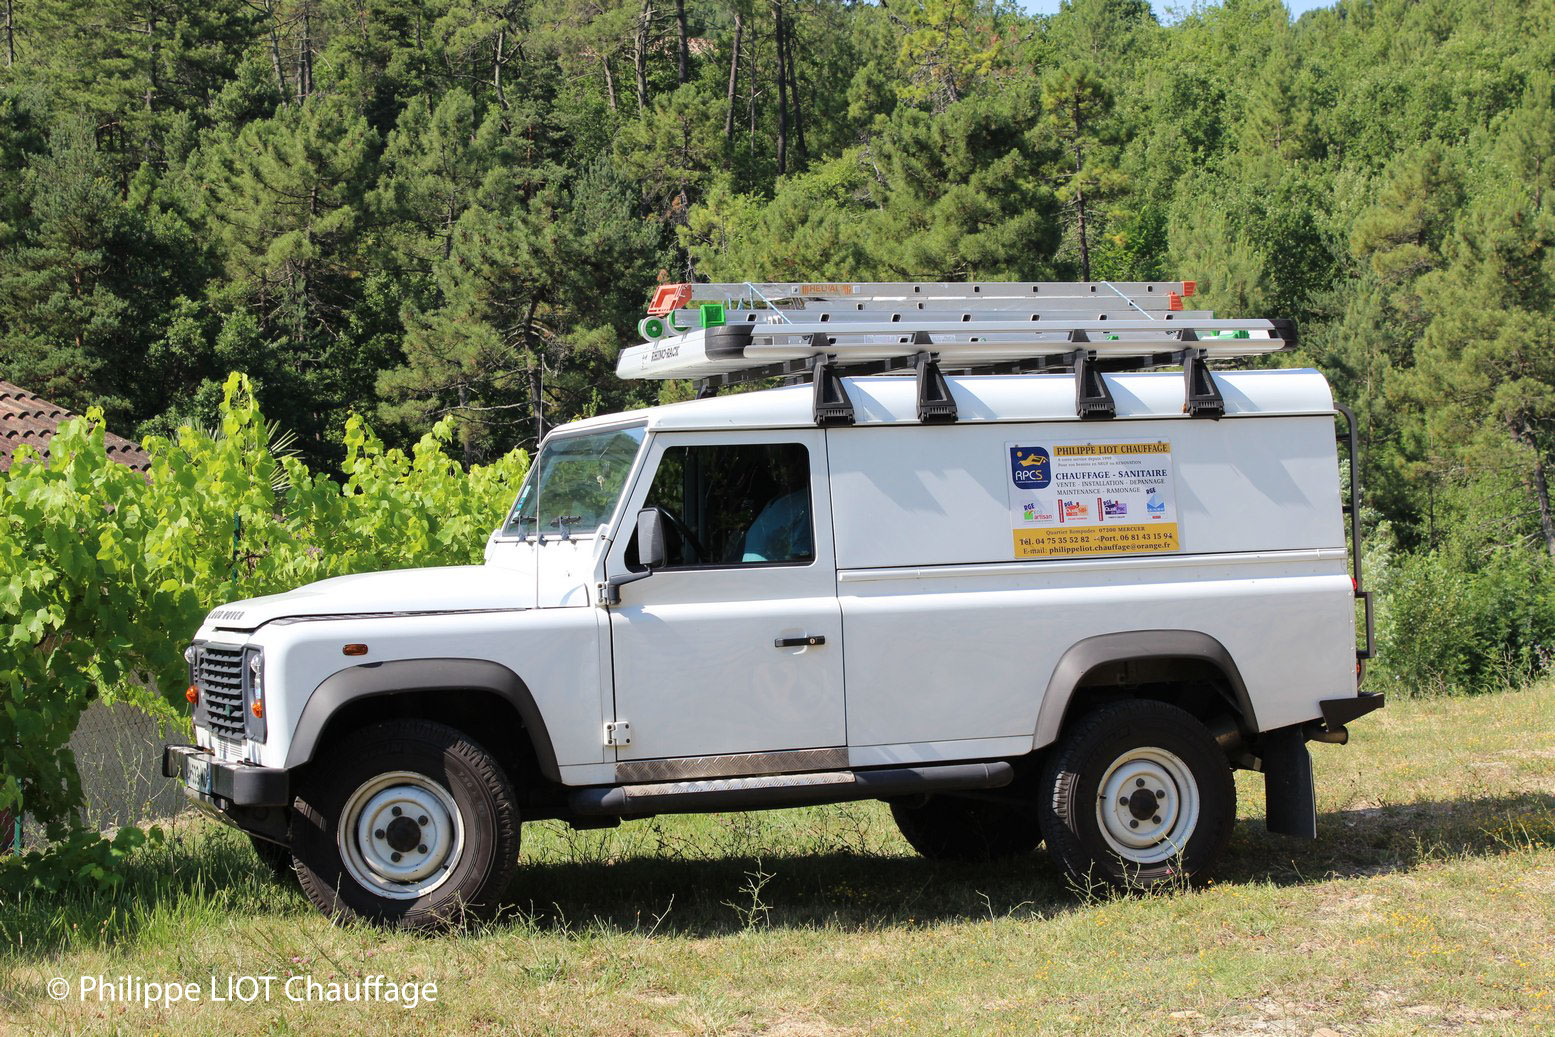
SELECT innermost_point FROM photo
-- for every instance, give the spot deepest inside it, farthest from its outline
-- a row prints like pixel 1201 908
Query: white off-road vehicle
pixel 1017 606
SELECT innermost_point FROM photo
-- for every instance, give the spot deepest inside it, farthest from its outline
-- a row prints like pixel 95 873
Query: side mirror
pixel 651 550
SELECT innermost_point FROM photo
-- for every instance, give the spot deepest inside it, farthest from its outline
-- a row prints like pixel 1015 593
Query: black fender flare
pixel 1085 655
pixel 387 678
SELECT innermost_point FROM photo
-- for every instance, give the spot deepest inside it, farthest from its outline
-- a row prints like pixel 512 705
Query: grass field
pixel 1427 904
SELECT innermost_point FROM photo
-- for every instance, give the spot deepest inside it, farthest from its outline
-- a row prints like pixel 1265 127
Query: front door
pixel 735 646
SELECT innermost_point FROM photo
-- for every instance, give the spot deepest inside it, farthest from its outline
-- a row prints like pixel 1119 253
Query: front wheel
pixel 407 823
pixel 277 860
pixel 1137 794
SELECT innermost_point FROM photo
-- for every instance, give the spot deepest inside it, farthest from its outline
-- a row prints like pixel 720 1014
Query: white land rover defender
pixel 1020 607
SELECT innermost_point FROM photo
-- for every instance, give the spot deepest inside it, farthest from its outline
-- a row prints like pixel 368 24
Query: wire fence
pixel 118 751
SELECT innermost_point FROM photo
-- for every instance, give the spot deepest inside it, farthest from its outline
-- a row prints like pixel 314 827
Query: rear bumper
pixel 1339 712
pixel 237 784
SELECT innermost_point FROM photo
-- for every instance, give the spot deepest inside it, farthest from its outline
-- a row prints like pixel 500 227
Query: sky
pixel 1297 7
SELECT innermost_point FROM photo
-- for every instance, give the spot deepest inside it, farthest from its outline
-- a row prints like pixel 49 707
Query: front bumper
pixel 206 778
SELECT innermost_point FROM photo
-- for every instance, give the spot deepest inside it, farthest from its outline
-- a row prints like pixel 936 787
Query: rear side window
pixel 745 504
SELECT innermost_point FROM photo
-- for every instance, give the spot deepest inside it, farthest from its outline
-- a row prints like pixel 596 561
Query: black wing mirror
pixel 651 552
pixel 651 549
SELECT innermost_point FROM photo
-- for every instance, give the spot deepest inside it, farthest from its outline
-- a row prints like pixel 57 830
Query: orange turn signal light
pixel 354 650
pixel 258 709
pixel 192 694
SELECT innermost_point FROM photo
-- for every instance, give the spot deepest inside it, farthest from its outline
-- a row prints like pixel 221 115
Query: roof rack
pixel 725 334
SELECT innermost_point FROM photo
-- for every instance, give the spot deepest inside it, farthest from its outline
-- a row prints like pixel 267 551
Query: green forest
pixel 411 210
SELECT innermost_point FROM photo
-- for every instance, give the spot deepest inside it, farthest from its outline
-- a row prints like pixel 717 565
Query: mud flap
pixel 1291 799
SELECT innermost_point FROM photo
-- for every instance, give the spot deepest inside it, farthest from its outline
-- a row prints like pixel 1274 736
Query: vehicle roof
pixel 893 399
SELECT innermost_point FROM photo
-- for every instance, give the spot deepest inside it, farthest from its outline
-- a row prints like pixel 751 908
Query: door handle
pixel 803 641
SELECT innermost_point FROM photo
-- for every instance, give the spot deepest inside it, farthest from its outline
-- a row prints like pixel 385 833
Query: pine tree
pixel 136 67
pixel 1487 365
pixel 1277 125
pixel 959 196
pixel 946 47
pixel 529 292
pixel 62 279
pixel 1078 104
pixel 285 203
pixel 434 164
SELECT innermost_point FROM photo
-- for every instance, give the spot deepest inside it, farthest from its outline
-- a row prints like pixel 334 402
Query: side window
pixel 745 504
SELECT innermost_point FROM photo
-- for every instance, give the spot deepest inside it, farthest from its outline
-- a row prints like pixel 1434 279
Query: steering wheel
pixel 686 535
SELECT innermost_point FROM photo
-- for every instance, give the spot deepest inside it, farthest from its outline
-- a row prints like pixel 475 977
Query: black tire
pixel 948 828
pixel 277 860
pixel 1139 738
pixel 423 794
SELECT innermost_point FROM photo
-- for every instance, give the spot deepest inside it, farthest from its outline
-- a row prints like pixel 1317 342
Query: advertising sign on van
pixel 1076 499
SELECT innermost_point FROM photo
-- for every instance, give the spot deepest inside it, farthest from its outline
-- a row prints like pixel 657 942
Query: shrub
pixel 104 571
pixel 1445 625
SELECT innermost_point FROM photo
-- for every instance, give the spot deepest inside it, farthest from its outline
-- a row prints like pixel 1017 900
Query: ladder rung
pixel 1007 310
pixel 925 290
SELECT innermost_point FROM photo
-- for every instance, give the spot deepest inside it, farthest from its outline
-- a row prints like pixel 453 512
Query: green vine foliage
pixel 106 572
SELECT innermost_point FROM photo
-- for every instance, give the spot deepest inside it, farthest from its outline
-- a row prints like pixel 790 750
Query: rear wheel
pixel 409 824
pixel 1137 794
pixel 948 828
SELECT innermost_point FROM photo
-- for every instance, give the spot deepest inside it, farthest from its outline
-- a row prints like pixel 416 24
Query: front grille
pixel 218 674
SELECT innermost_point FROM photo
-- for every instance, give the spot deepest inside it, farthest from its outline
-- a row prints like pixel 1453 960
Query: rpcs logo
pixel 1030 467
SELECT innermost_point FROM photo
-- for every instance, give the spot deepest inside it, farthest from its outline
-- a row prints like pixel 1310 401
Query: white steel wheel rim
pixel 400 835
pixel 1157 779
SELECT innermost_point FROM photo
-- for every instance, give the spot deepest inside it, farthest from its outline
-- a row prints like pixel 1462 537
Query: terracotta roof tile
pixel 26 419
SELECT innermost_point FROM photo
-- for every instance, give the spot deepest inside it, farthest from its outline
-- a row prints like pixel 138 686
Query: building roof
pixel 28 420
pixel 893 400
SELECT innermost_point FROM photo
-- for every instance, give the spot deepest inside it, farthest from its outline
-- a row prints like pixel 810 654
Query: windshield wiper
pixel 563 522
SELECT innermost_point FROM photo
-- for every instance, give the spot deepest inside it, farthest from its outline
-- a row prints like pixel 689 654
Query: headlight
pixel 193 693
pixel 254 693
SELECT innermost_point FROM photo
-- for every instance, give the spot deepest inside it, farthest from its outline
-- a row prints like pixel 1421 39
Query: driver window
pixel 745 504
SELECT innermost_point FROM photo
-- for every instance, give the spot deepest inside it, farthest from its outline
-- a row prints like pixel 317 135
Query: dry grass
pixel 1427 904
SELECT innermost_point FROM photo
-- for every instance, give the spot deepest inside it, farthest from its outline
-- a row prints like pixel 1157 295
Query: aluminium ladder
pixel 723 334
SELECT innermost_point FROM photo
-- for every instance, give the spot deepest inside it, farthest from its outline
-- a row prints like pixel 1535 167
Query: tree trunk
pixel 640 55
pixel 793 87
pixel 1079 207
pixel 464 404
pixel 305 62
pixel 275 54
pixel 1541 488
pixel 10 34
pixel 682 45
pixel 496 69
pixel 780 36
pixel 151 72
pixel 610 82
pixel 734 79
pixel 755 71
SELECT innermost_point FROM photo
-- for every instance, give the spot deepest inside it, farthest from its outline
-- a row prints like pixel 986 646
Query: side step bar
pixel 785 790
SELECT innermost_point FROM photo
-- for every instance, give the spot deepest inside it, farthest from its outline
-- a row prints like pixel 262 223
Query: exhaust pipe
pixel 1317 732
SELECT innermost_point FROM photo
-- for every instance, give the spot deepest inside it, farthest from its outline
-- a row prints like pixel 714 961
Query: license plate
pixel 197 775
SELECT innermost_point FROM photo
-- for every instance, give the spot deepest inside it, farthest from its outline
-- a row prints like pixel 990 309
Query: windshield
pixel 574 486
